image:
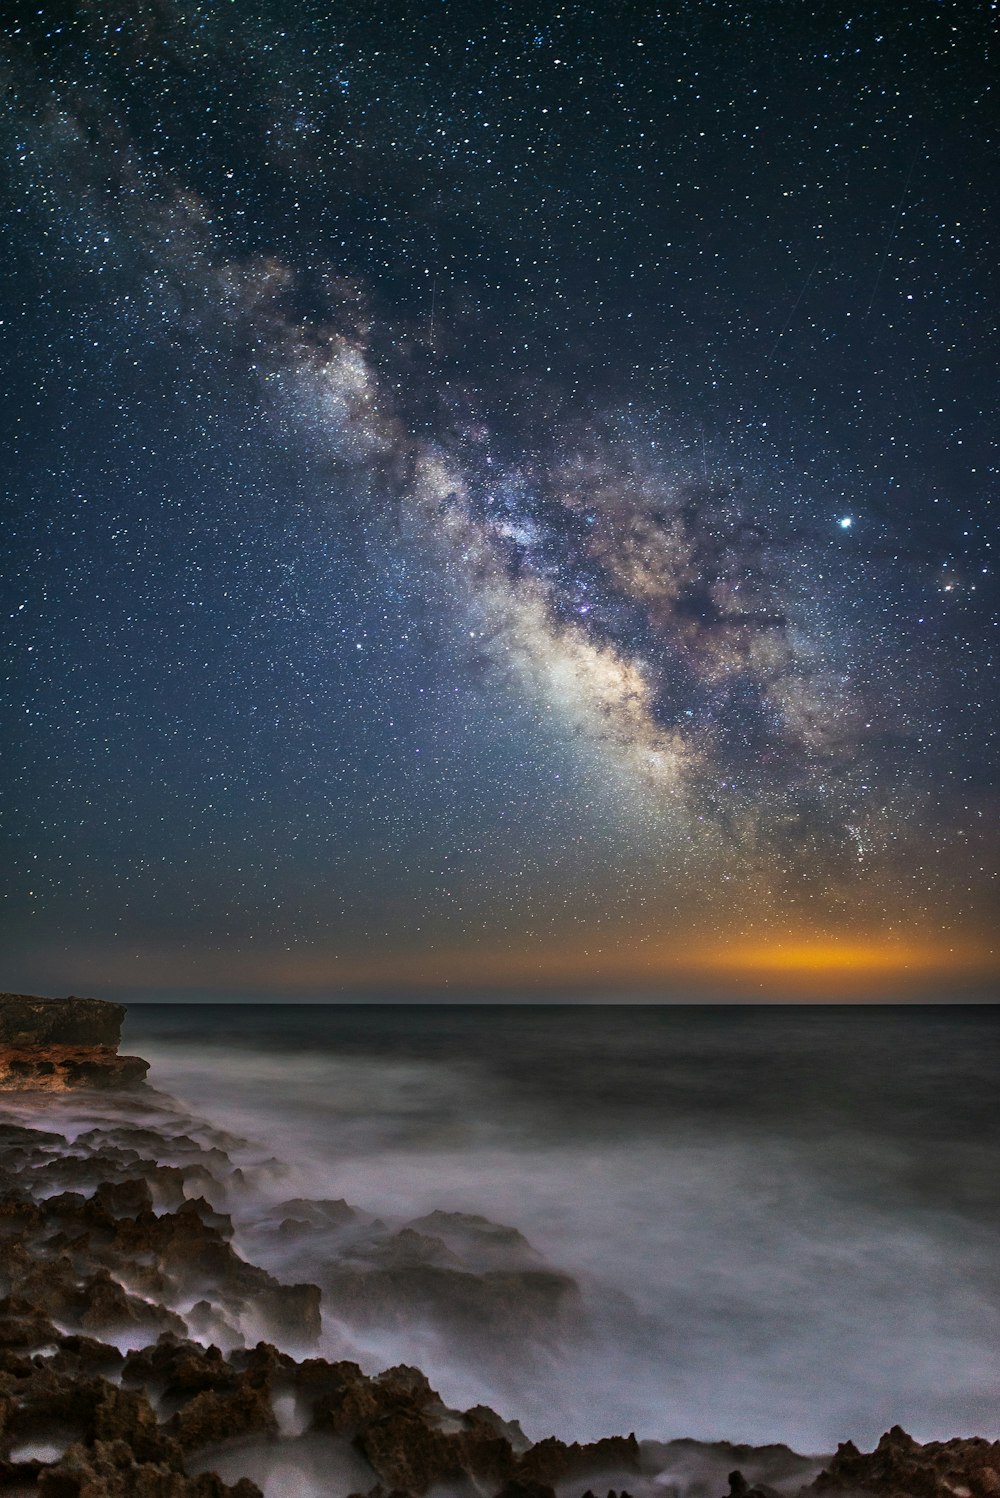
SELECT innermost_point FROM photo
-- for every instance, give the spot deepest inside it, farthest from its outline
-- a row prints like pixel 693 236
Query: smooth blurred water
pixel 785 1220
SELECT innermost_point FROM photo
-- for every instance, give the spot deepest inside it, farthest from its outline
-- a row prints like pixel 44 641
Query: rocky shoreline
pixel 144 1355
pixel 53 1045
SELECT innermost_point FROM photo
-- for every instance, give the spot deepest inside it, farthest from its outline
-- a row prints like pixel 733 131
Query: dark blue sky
pixel 498 495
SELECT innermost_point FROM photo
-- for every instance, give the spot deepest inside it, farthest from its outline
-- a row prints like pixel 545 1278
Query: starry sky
pixel 498 498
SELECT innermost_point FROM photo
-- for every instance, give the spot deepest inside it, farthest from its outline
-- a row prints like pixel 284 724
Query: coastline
pixel 143 1352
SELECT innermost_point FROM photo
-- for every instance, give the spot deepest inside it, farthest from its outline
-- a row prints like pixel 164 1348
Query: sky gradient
pixel 500 499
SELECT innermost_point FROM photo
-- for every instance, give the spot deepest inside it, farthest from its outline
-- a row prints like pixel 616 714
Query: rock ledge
pixel 52 1045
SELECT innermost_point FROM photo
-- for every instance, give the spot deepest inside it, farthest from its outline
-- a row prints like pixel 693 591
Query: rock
pixel 124 1198
pixel 318 1213
pixel 900 1465
pixel 23 1325
pixel 56 1068
pixel 511 1431
pixel 84 1356
pixel 26 1020
pixel 551 1460
pixel 109 1470
pixel 482 1244
pixel 740 1488
pixel 489 1311
pixel 178 1366
pixel 80 1419
pixel 409 1249
pixel 52 1045
pixel 293 1311
pixel 409 1454
pixel 211 1417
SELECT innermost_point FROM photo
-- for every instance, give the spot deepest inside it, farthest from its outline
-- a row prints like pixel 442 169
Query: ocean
pixel 746 1223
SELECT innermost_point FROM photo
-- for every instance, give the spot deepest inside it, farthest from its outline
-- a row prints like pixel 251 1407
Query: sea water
pixel 783 1220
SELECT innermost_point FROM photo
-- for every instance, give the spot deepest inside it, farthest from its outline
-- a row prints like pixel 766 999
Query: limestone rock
pixel 27 1020
pixel 968 1468
pixel 56 1068
pixel 53 1045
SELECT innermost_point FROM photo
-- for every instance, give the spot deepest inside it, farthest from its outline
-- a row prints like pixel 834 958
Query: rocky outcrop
pixel 54 1045
pixel 124 1234
pixel 26 1020
pixel 105 1257
pixel 96 1247
pixel 479 1283
pixel 56 1068
pixel 900 1465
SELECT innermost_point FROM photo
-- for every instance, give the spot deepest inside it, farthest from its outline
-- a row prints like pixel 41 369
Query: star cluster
pixel 495 483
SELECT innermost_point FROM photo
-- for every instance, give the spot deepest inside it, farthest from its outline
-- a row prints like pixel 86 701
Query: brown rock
pixel 24 1325
pixel 51 1045
pixel 211 1417
pixel 409 1454
pixel 124 1198
pixel 900 1465
pixel 57 1068
pixel 179 1367
pixel 109 1470
pixel 551 1460
pixel 291 1310
pixel 27 1020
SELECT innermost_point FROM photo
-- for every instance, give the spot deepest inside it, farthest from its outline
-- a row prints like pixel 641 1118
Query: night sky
pixel 500 496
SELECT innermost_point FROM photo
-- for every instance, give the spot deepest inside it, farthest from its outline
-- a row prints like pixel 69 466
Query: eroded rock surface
pixel 26 1020
pixel 479 1283
pixel 967 1468
pixel 139 1343
pixel 118 1265
pixel 53 1045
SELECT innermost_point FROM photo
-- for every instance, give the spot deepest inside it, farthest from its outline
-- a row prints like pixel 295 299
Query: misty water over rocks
pixel 757 1225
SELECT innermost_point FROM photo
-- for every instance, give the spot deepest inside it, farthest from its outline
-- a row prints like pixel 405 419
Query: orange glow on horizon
pixel 801 966
pixel 826 962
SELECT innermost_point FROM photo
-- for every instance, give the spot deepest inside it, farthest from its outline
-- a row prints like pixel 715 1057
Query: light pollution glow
pixel 795 968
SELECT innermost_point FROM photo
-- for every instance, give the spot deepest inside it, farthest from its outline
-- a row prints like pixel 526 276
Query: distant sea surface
pixel 785 1222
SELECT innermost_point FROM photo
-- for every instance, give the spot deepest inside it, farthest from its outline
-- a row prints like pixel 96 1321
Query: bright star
pixel 846 522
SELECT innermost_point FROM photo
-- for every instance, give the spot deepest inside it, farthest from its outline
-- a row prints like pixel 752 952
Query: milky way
pixel 481 482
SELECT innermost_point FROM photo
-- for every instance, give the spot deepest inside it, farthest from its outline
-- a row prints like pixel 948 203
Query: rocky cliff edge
pixel 54 1045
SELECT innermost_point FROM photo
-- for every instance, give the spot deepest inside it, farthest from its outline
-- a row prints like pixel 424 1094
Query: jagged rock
pixel 481 1243
pixel 395 1421
pixel 100 1257
pixel 899 1465
pixel 178 1366
pixel 488 1309
pixel 80 1355
pixel 409 1249
pixel 740 1488
pixel 53 1045
pixel 291 1310
pixel 211 1417
pixel 27 1020
pixel 510 1429
pixel 124 1198
pixel 23 1324
pixel 410 1455
pixel 552 1460
pixel 56 1068
pixel 93 1302
pixel 109 1470
pixel 402 1440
